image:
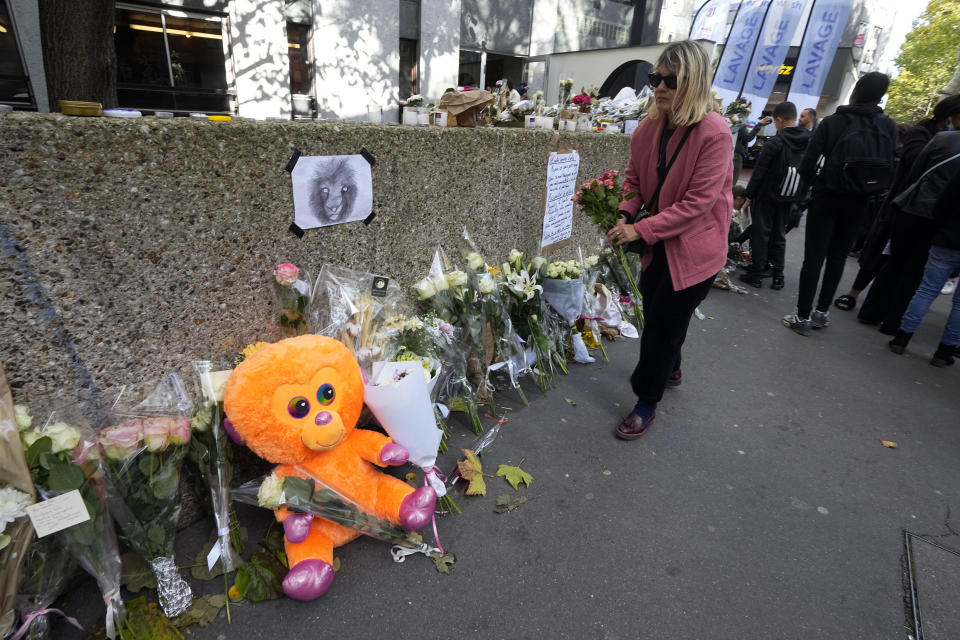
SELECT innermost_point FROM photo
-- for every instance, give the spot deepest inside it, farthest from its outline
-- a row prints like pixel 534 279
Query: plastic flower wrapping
pixel 292 294
pixel 143 450
pixel 508 350
pixel 354 307
pixel 446 292
pixel 63 457
pixel 522 295
pixel 210 453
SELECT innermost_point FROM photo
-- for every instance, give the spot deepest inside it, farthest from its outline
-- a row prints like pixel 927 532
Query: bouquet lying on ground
pixel 62 458
pixel 600 200
pixel 143 451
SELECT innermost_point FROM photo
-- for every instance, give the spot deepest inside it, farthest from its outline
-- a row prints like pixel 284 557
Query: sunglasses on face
pixel 655 78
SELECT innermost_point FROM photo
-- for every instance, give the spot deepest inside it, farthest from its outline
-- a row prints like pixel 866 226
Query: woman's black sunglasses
pixel 655 78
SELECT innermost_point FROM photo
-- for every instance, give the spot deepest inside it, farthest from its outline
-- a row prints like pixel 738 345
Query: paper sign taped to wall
pixel 562 169
pixel 58 513
pixel 331 190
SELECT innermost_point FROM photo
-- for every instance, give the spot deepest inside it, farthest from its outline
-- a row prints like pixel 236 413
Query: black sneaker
pixel 777 282
pixel 751 279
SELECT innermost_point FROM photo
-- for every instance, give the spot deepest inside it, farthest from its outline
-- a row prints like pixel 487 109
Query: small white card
pixel 57 514
pixel 214 555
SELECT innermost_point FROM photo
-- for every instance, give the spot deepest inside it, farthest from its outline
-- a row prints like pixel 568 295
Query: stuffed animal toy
pixel 296 403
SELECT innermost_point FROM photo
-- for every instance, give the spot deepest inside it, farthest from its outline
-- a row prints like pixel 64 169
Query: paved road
pixel 761 503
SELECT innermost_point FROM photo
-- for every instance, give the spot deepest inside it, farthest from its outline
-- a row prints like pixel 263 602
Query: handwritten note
pixel 561 184
pixel 58 513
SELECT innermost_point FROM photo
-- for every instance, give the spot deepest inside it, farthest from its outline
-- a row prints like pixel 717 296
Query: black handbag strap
pixel 653 203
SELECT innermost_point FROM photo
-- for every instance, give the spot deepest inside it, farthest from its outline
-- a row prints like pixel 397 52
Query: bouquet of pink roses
pixel 143 451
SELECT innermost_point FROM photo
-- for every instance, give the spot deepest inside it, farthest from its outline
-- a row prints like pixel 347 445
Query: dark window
pixel 14 86
pixel 408 68
pixel 171 62
pixel 298 37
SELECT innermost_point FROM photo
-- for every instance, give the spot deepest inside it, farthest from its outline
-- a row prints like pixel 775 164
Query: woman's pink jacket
pixel 696 200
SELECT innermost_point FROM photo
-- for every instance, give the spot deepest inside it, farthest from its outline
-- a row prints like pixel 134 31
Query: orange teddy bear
pixel 296 403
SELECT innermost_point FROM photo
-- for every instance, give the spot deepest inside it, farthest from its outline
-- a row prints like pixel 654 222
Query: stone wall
pixel 130 246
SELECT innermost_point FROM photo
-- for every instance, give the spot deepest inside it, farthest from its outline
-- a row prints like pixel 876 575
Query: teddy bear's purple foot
pixel 296 527
pixel 417 508
pixel 309 579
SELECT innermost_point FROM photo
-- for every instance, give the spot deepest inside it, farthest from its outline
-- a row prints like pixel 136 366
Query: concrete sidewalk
pixel 760 504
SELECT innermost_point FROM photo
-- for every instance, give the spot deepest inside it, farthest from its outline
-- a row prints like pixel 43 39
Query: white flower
pixel 456 278
pixel 426 288
pixel 538 262
pixel 64 437
pixel 523 285
pixel 413 324
pixel 22 415
pixel 353 328
pixel 514 255
pixel 474 261
pixel 486 284
pixel 591 261
pixel 505 269
pixel 29 438
pixel 440 282
pixel 13 505
pixel 270 495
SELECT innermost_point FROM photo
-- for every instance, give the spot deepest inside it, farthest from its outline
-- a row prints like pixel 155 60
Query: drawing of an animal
pixel 333 191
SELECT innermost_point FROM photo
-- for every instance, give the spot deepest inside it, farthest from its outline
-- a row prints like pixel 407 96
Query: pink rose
pixel 286 274
pixel 155 432
pixel 179 430
pixel 608 183
pixel 120 441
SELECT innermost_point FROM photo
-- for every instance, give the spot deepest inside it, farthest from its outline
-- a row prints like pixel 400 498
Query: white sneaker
pixel 949 287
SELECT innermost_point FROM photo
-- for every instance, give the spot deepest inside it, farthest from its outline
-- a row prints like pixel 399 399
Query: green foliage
pixel 926 61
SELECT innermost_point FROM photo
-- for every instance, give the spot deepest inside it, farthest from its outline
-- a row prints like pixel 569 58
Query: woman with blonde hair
pixel 681 169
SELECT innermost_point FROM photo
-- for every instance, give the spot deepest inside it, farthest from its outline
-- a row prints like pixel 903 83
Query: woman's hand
pixel 622 233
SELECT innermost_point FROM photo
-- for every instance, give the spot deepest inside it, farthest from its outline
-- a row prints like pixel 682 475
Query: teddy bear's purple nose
pixel 323 418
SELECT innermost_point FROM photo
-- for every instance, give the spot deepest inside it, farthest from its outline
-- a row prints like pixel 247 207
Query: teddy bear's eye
pixel 326 394
pixel 298 407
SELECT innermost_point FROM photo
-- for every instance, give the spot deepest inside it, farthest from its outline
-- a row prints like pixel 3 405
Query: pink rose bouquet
pixel 143 452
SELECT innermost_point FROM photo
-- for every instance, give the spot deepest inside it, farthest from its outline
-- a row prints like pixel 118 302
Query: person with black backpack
pixel 850 158
pixel 773 188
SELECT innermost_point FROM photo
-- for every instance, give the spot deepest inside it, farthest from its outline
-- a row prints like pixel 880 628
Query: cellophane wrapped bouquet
pixel 143 450
pixel 354 307
pixel 293 293
pixel 600 199
pixel 563 289
pixel 210 452
pixel 523 295
pixel 508 351
pixel 446 292
pixel 63 457
pixel 427 340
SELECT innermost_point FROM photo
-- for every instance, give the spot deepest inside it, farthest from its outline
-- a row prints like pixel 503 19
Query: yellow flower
pixel 251 348
pixel 494 271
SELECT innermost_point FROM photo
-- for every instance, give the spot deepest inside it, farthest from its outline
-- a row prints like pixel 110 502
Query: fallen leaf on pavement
pixel 889 445
pixel 514 475
pixel 570 402
pixel 471 471
pixel 506 502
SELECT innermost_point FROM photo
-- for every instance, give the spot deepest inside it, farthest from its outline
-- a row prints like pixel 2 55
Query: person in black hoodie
pixel 943 260
pixel 882 303
pixel 850 156
pixel 769 210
